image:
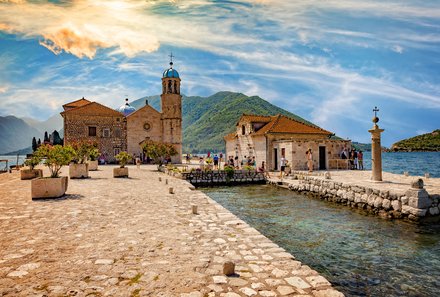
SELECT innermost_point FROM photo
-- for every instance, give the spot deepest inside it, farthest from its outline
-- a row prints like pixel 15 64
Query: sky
pixel 330 62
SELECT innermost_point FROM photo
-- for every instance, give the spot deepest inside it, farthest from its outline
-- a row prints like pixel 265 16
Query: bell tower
pixel 172 110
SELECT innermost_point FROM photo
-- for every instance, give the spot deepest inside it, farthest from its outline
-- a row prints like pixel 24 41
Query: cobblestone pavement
pixel 396 183
pixel 131 237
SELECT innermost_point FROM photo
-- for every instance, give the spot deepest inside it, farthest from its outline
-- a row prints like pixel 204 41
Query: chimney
pixel 146 102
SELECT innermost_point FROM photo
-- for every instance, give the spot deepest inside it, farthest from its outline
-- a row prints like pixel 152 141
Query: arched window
pixel 170 86
pixel 243 130
pixel 175 87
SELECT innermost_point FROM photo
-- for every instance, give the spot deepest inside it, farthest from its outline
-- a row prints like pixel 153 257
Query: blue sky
pixel 329 61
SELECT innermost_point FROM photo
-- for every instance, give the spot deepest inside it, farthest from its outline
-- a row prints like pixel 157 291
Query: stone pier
pixel 397 197
pixel 131 237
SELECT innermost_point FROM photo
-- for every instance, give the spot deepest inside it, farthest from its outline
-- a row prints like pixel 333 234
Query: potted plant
pixel 122 171
pixel 93 159
pixel 54 158
pixel 31 172
pixel 79 167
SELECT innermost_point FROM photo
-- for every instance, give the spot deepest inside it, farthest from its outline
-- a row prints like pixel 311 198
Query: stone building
pixel 126 128
pixel 267 138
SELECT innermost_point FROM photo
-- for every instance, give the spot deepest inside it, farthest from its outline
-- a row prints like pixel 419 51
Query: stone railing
pixel 220 177
pixel 415 204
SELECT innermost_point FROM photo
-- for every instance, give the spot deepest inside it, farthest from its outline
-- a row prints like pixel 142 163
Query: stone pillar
pixel 376 151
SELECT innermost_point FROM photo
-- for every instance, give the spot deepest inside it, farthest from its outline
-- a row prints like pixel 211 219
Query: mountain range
pixel 205 121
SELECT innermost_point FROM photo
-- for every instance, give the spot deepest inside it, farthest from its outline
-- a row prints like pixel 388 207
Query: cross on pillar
pixel 375 111
pixel 171 57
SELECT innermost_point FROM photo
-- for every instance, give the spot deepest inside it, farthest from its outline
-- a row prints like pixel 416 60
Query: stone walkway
pixel 131 237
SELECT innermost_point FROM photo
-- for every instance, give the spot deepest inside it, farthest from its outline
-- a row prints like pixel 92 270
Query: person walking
pixel 282 166
pixel 355 157
pixel 360 160
pixel 215 162
pixel 309 159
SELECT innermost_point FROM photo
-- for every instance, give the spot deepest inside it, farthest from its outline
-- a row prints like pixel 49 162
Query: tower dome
pixel 126 109
pixel 170 72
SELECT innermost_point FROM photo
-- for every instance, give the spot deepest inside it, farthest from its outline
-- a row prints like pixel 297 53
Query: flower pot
pixel 93 165
pixel 120 172
pixel 78 170
pixel 30 173
pixel 49 187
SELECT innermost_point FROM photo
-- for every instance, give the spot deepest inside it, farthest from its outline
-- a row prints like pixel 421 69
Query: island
pixel 429 142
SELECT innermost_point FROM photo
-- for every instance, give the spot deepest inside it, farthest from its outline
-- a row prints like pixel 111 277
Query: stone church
pixel 125 129
pixel 268 138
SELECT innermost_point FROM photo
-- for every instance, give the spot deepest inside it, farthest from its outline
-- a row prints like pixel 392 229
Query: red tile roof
pixel 76 103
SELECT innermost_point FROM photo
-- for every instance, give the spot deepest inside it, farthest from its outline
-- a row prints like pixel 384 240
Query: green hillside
pixel 425 142
pixel 15 134
pixel 207 119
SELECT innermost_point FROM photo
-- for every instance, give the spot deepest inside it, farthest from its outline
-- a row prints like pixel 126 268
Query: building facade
pixel 126 128
pixel 268 138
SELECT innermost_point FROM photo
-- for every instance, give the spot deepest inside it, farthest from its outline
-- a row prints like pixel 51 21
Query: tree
pixel 34 144
pixel 38 142
pixel 56 138
pixel 158 151
pixel 55 157
pixel 46 137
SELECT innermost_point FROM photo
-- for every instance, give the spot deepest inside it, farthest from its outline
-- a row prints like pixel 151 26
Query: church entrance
pixel 322 161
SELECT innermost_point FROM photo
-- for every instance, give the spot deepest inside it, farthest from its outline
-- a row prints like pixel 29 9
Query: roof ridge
pixel 306 124
pixel 90 103
pixel 76 101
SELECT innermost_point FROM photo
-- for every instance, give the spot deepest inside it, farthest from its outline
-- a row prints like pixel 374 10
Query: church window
pixel 170 86
pixel 106 132
pixel 175 87
pixel 92 131
pixel 118 132
pixel 243 130
pixel 147 126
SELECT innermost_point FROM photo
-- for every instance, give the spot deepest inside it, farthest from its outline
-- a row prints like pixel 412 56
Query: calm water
pixel 361 255
pixel 11 160
pixel 416 163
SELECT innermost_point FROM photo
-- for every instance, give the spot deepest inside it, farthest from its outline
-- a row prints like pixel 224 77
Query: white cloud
pixel 398 49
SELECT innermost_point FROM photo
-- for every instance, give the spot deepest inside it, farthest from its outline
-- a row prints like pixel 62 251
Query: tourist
pixel 360 160
pixel 287 168
pixel 262 169
pixel 344 154
pixel 283 166
pixel 138 162
pixel 188 159
pixel 355 157
pixel 221 157
pixel 309 159
pixel 215 161
pixel 201 163
pixel 351 159
pixel 254 163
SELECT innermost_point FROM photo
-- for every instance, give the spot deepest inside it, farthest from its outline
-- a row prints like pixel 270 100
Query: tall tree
pixel 56 138
pixel 34 144
pixel 39 142
pixel 46 137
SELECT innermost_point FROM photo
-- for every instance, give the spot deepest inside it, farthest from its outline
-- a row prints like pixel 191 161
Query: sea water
pixel 360 255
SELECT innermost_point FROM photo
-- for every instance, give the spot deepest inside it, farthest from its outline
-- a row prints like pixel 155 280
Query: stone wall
pixel 142 124
pixel 415 204
pixel 76 128
pixel 296 152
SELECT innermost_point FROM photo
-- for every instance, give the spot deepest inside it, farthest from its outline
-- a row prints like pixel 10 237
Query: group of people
pixel 240 164
pixel 355 158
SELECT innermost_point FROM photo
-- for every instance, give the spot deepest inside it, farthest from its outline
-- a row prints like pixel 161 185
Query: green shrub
pixel 123 158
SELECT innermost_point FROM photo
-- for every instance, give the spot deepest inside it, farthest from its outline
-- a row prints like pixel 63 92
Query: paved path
pixel 130 237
